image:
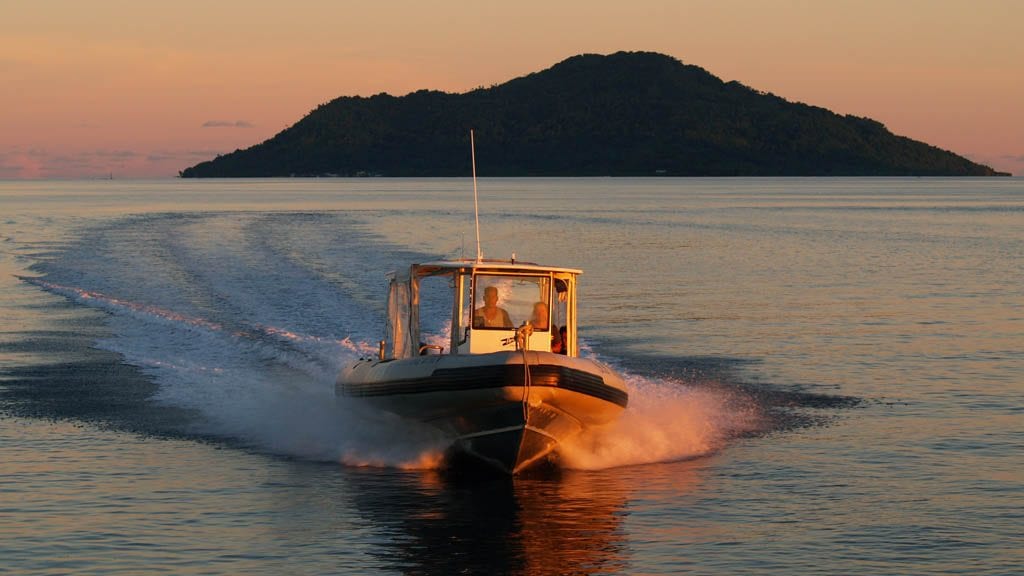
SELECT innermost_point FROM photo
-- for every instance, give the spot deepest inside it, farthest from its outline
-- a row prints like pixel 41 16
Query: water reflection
pixel 563 522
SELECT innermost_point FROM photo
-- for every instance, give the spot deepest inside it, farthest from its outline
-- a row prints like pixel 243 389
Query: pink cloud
pixel 227 124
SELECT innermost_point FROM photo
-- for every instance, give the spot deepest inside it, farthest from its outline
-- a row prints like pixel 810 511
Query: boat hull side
pixel 493 410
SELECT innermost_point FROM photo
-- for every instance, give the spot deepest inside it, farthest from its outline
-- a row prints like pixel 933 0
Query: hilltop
pixel 624 114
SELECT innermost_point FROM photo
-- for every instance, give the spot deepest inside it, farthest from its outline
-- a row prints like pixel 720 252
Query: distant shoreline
pixel 129 179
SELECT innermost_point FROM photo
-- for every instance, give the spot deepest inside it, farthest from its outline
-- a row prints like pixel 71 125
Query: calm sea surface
pixel 826 376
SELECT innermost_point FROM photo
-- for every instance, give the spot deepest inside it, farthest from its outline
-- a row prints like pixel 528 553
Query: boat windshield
pixel 505 301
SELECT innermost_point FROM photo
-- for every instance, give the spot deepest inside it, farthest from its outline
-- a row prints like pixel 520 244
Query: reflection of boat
pixel 506 382
pixel 433 522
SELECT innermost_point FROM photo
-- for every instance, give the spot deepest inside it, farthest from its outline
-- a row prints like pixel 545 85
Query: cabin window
pixel 504 302
pixel 435 298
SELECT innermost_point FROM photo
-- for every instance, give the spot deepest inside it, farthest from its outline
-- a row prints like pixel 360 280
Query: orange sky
pixel 145 89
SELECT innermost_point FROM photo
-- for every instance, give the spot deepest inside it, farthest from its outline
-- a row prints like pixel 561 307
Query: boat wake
pixel 272 389
pixel 666 421
pixel 262 386
pixel 236 326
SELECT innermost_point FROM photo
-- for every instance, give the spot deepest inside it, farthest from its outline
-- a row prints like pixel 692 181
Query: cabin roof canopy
pixel 498 266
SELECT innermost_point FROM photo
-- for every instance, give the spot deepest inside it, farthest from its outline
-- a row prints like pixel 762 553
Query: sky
pixel 144 89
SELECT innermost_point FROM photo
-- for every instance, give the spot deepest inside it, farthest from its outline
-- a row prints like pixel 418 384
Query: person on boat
pixel 539 319
pixel 490 315
pixel 558 341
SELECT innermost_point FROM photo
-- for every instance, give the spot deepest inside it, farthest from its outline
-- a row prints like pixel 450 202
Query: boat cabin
pixel 478 307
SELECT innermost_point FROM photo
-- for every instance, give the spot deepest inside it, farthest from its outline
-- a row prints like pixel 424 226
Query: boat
pixel 487 351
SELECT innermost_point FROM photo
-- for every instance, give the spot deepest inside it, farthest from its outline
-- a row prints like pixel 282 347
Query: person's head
pixel 490 296
pixel 540 316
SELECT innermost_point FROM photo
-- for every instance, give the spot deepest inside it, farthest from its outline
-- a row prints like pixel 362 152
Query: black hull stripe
pixel 482 377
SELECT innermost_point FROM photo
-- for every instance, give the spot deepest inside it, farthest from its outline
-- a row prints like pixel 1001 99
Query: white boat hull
pixel 488 404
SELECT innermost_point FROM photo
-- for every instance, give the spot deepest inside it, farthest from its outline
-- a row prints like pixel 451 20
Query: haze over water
pixel 825 377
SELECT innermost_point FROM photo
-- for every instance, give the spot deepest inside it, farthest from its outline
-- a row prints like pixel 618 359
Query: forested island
pixel 624 114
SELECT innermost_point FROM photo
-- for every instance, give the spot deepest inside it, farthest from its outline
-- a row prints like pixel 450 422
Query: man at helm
pixel 490 315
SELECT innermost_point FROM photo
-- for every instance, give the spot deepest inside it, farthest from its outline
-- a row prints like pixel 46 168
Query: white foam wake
pixel 666 421
pixel 273 387
pixel 269 387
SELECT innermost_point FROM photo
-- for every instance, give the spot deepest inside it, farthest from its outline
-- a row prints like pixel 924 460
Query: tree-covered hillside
pixel 625 114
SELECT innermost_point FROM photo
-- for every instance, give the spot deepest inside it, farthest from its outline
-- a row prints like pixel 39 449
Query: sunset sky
pixel 143 89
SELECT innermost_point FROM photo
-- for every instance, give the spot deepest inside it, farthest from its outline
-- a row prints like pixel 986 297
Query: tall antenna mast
pixel 476 204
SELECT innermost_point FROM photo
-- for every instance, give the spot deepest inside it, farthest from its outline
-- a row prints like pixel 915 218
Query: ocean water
pixel 826 376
